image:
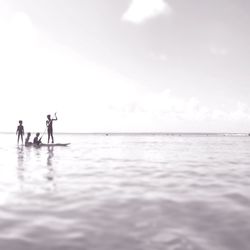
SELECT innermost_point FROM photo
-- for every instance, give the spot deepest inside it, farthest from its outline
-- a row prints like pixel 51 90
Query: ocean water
pixel 126 192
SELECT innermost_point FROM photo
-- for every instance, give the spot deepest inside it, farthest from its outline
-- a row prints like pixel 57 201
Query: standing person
pixel 49 124
pixel 20 131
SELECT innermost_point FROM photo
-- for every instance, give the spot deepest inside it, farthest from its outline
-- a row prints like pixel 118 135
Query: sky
pixel 125 65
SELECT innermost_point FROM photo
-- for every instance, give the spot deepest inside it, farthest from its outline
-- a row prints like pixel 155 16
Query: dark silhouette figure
pixel 20 131
pixel 49 124
pixel 27 142
pixel 36 140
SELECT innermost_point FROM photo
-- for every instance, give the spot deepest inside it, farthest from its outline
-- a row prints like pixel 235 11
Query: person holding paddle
pixel 49 124
pixel 36 140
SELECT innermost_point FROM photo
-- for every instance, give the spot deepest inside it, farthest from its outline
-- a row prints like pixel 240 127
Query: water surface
pixel 126 191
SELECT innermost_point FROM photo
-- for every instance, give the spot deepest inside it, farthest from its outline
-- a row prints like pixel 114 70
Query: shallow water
pixel 126 192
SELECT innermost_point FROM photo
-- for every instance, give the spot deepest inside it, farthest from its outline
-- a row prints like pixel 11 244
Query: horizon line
pixel 127 132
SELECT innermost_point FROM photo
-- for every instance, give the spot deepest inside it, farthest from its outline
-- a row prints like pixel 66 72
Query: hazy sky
pixel 125 65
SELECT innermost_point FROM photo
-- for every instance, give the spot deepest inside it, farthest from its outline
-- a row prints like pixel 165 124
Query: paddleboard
pixel 53 144
pixel 48 145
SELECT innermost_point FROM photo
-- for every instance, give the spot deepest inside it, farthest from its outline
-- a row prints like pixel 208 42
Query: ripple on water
pixel 127 192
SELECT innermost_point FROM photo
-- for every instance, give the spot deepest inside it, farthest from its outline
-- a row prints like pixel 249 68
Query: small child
pixel 36 140
pixel 27 142
pixel 20 131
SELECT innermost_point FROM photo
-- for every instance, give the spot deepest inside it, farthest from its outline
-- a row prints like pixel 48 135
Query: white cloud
pixel 165 111
pixel 141 10
pixel 218 51
pixel 158 57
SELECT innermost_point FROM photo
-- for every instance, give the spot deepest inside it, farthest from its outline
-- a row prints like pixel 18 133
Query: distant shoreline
pixel 147 133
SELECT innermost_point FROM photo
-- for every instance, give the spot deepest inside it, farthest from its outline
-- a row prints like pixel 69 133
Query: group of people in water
pixel 36 141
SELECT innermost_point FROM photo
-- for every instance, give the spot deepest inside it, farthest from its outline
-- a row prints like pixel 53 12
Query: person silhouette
pixel 36 140
pixel 27 142
pixel 20 131
pixel 49 124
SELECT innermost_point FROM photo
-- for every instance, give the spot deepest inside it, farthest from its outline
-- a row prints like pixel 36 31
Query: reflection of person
pixel 49 124
pixel 36 140
pixel 27 142
pixel 20 163
pixel 51 172
pixel 20 131
pixel 50 155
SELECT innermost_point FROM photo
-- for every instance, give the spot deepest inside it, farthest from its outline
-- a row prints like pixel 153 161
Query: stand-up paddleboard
pixel 48 145
pixel 53 144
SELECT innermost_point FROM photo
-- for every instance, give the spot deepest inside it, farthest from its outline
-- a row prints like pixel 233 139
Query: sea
pixel 126 192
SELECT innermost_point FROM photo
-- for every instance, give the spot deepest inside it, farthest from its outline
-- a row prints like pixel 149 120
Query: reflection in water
pixel 20 161
pixel 51 172
pixel 31 167
pixel 127 191
pixel 50 155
